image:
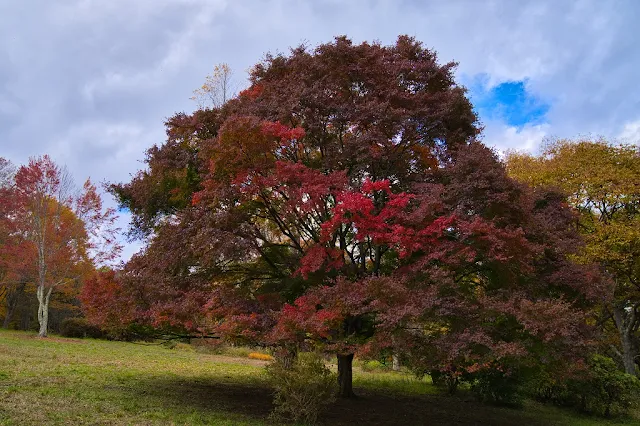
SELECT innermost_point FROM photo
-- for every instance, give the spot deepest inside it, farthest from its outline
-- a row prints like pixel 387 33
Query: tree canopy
pixel 342 201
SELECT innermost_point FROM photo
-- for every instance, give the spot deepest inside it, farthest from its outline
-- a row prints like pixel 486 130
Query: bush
pixel 447 379
pixel 601 390
pixel 79 328
pixel 303 390
pixel 547 388
pixel 498 385
pixel 605 390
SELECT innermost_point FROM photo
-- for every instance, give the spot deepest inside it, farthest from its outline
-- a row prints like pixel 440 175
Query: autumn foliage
pixel 54 236
pixel 342 202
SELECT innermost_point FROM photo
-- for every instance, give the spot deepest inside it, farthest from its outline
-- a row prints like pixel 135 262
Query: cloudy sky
pixel 90 81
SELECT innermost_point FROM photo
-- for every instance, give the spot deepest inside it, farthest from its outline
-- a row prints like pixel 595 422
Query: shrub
pixel 303 389
pixel 605 390
pixel 601 390
pixel 548 388
pixel 447 379
pixel 79 328
pixel 498 385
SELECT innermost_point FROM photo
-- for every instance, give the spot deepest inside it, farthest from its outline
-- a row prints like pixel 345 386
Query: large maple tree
pixel 342 201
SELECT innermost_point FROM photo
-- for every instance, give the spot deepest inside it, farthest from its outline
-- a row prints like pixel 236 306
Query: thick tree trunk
pixel 628 353
pixel 625 323
pixel 345 376
pixel 44 295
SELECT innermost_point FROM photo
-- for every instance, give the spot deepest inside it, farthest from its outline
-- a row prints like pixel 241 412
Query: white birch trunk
pixel 44 295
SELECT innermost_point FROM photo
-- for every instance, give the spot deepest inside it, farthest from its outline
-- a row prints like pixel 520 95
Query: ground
pixel 73 381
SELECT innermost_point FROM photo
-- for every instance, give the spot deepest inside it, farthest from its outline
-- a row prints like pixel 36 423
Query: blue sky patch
pixel 510 102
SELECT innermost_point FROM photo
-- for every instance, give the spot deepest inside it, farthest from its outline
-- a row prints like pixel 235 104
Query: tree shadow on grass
pixel 184 395
pixel 370 408
pixel 380 408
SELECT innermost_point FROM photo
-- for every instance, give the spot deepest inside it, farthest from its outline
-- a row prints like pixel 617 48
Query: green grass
pixel 71 381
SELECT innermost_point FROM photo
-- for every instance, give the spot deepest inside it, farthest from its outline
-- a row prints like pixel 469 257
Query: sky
pixel 90 82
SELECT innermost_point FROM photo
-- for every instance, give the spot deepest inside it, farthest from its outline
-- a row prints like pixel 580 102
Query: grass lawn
pixel 71 381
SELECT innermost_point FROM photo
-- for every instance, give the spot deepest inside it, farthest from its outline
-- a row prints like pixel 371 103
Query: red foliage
pixel 346 181
pixel 102 300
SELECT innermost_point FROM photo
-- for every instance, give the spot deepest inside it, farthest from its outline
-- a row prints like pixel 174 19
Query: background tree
pixel 217 89
pixel 13 256
pixel 602 182
pixel 63 233
pixel 7 170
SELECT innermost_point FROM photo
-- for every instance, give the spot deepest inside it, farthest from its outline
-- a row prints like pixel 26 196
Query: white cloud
pixel 630 133
pixel 174 57
pixel 503 137
pixel 104 150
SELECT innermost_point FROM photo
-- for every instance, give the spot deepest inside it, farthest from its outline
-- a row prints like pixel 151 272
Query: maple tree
pixel 341 202
pixel 58 235
pixel 602 182
pixel 101 297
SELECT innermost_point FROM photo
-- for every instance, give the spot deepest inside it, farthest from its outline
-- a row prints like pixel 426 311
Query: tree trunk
pixel 625 322
pixel 345 376
pixel 44 295
pixel 628 353
pixel 395 362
